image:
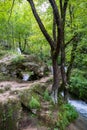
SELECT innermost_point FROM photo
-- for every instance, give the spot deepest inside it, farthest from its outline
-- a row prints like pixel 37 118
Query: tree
pixel 59 15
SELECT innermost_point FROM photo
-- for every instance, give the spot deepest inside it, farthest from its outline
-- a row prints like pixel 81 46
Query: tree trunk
pixel 55 86
pixel 63 73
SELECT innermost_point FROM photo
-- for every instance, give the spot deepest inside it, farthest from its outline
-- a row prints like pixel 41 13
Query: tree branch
pixel 59 25
pixel 64 11
pixel 72 39
pixel 11 10
pixel 42 28
pixel 56 12
pixel 61 7
pixel 54 30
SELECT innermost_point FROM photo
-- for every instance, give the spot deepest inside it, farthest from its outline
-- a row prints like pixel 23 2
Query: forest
pixel 43 65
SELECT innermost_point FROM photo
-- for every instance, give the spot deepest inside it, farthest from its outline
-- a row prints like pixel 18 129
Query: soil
pixel 79 124
pixel 28 122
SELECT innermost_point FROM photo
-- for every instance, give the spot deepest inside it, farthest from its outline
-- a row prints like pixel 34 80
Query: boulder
pixel 18 65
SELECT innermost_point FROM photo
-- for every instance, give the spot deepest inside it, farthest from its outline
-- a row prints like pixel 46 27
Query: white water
pixel 80 106
pixel 25 77
pixel 18 50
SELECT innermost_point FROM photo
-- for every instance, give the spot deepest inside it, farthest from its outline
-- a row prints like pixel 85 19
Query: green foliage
pixel 55 128
pixel 66 115
pixel 34 103
pixel 70 112
pixel 78 84
pixel 47 96
pixel 2 51
pixel 18 59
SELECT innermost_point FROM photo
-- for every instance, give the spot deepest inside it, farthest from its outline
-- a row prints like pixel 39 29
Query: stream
pixel 81 122
pixel 80 106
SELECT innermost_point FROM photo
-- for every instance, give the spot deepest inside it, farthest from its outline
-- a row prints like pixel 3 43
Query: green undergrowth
pixel 66 115
pixel 18 59
pixel 46 96
pixel 78 84
pixel 34 103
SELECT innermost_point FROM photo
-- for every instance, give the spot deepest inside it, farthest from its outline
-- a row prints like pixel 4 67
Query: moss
pixel 1 91
pixel 35 91
pixel 39 88
pixel 18 59
pixel 34 103
pixel 10 114
pixel 47 97
pixel 27 97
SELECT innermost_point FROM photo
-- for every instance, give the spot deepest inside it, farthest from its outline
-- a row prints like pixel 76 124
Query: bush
pixel 18 59
pixel 34 103
pixel 66 115
pixel 47 96
pixel 78 84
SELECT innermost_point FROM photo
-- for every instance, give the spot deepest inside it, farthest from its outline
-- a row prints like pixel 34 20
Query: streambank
pixel 81 122
pixel 78 124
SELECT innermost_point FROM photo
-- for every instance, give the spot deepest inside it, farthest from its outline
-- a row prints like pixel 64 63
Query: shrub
pixel 66 115
pixel 47 96
pixel 34 103
pixel 78 83
pixel 18 59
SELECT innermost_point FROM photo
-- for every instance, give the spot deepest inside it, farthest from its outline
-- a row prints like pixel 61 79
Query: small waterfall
pixel 18 50
pixel 80 106
pixel 25 77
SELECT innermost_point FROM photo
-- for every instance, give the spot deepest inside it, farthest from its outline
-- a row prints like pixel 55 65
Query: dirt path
pixel 27 123
pixel 79 124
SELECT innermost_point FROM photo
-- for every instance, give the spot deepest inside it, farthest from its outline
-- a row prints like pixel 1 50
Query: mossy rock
pixel 10 113
pixel 36 91
pixel 39 88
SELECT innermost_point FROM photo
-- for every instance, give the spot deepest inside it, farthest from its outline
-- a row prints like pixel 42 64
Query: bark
pixel 41 26
pixel 63 73
pixel 13 2
pixel 56 13
pixel 55 86
pixel 55 48
pixel 54 43
pixel 54 30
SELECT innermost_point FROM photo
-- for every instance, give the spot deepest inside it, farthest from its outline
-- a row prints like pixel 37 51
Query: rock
pixel 15 94
pixel 34 92
pixel 16 66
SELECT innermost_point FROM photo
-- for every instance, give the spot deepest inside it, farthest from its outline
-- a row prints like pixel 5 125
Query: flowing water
pixel 25 77
pixel 81 122
pixel 18 50
pixel 80 106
